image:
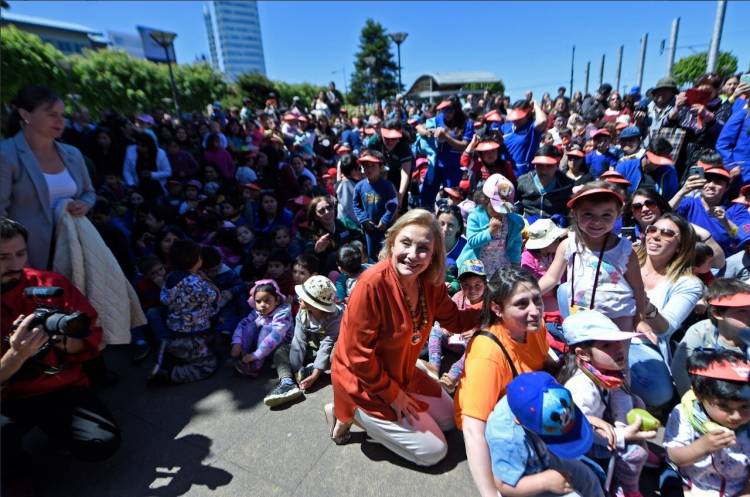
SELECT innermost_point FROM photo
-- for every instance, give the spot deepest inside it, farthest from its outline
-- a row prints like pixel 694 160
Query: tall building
pixel 233 29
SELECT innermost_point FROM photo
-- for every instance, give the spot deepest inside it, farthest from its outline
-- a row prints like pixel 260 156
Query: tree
pixel 307 92
pixel 113 79
pixel 27 60
pixel 688 69
pixel 379 79
pixel 256 87
pixel 197 85
pixel 496 88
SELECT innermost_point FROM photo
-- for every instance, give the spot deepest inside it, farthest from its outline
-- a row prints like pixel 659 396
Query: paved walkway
pixel 217 438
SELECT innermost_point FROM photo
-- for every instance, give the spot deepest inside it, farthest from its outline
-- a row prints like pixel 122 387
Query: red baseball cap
pixel 443 105
pixel 586 193
pixel 575 153
pixel 725 370
pixel 518 114
pixel 493 116
pixel 600 132
pixel 366 157
pixel 487 145
pixel 453 193
pixel 719 171
pixel 252 186
pixel 741 299
pixel 615 177
pixel 658 160
pixel 544 159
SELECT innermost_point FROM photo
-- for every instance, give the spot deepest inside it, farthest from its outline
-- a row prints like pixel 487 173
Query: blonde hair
pixel 681 263
pixel 435 272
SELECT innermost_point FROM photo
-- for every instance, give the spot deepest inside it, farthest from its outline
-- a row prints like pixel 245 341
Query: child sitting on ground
pixel 266 330
pixel 473 281
pixel 316 330
pixel 349 261
pixel 148 287
pixel 707 433
pixel 595 372
pixel 281 239
pixel 231 304
pixel 535 434
pixel 279 270
pixel 191 302
pixel 544 238
pixel 728 313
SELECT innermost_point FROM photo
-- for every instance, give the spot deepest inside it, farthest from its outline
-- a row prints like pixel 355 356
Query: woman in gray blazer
pixel 37 173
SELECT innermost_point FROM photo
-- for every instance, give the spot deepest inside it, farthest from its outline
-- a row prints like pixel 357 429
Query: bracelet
pixel 706 239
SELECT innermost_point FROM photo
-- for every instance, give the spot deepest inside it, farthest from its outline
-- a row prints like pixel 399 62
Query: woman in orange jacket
pixel 376 381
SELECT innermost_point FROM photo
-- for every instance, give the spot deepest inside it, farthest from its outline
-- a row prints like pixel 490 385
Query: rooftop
pixel 48 23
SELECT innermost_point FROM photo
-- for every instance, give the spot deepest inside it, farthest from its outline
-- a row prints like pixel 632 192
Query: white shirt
pixel 163 168
pixel 61 186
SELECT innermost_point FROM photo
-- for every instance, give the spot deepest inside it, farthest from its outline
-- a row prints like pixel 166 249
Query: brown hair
pixel 681 263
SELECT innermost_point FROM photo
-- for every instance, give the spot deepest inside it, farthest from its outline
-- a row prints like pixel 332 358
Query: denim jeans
pixel 650 378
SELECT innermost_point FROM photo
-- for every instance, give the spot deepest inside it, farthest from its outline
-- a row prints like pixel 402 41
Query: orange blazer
pixel 374 356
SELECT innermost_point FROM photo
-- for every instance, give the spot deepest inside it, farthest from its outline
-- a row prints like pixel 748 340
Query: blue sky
pixel 526 44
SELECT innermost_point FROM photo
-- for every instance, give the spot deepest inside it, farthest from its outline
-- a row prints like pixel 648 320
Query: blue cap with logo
pixel 546 408
pixel 471 266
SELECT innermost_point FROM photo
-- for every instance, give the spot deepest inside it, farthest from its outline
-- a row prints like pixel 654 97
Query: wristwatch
pixel 651 311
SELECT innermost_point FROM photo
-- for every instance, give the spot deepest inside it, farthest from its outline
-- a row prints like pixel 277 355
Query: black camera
pixel 56 321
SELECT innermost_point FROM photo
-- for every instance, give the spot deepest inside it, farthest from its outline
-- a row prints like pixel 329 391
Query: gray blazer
pixel 24 196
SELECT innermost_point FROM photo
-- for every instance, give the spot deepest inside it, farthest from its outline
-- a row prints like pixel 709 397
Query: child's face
pixel 275 269
pixel 228 210
pixel 703 268
pixel 473 288
pixel 265 302
pixel 282 239
pixel 522 312
pixel 158 272
pixel 259 257
pixel 731 414
pixel 167 241
pixel 191 193
pixel 630 145
pixel 372 171
pixel 596 219
pixel 601 143
pixel 300 274
pixel 548 140
pixel 606 355
pixel 210 174
pixel 317 314
pixel 733 319
pixel 244 235
pixel 551 248
pixel 269 205
pixel 136 199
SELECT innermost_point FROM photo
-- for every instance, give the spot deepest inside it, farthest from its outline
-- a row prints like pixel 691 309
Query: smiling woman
pixel 376 383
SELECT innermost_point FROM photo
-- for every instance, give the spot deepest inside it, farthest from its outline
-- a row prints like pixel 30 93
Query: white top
pixel 61 186
pixel 129 173
pixel 675 301
pixel 614 297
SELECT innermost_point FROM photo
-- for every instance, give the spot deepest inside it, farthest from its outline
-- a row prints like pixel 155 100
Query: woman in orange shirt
pixel 514 342
pixel 376 383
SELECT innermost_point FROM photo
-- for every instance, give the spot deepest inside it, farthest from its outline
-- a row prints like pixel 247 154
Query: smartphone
pixel 697 171
pixel 628 232
pixel 43 291
pixel 697 96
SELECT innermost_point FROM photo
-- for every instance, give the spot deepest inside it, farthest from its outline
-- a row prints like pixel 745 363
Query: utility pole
pixel 672 45
pixel 601 70
pixel 588 69
pixel 572 64
pixel 642 62
pixel 619 67
pixel 713 51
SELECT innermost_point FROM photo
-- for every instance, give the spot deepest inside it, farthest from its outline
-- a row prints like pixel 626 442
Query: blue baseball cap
pixel 472 266
pixel 545 407
pixel 630 132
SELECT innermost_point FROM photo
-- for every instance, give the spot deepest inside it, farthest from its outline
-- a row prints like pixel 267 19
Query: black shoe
pixel 141 351
pixel 283 393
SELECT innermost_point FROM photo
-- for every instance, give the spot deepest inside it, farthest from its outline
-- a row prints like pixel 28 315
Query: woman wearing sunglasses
pixel 647 205
pixel 666 259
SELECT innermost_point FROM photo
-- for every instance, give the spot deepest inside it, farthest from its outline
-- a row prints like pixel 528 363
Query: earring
pixel 26 122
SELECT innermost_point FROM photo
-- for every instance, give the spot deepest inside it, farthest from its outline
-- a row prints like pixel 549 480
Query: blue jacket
pixel 477 236
pixel 376 202
pixel 598 163
pixel 733 143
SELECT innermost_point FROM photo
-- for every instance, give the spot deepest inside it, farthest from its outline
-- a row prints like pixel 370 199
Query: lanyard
pixel 596 276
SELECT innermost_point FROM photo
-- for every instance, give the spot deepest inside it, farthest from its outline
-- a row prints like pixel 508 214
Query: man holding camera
pixel 41 378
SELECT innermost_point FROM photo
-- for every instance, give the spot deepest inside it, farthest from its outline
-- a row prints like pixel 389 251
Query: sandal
pixel 332 422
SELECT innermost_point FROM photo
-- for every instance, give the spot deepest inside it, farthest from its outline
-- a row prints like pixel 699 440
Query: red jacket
pixel 14 302
pixel 374 356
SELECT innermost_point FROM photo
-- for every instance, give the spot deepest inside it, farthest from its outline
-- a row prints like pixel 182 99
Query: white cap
pixel 584 326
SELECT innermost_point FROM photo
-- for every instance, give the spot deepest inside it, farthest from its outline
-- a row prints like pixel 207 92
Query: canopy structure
pixel 438 85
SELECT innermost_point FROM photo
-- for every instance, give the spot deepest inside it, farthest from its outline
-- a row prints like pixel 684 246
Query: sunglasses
pixel 636 206
pixel 665 232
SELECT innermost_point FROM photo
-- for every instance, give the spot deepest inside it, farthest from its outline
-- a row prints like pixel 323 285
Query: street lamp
pixel 398 39
pixel 165 40
pixel 370 62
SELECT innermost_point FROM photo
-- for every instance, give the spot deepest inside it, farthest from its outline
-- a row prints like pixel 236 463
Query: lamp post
pixel 398 39
pixel 370 61
pixel 165 40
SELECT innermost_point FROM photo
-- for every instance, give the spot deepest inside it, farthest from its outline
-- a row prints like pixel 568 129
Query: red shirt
pixel 14 302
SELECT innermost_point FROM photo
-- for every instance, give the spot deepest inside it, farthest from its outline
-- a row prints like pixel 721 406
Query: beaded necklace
pixel 419 312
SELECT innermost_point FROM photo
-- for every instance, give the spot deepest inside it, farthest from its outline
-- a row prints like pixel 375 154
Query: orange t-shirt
pixel 487 372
